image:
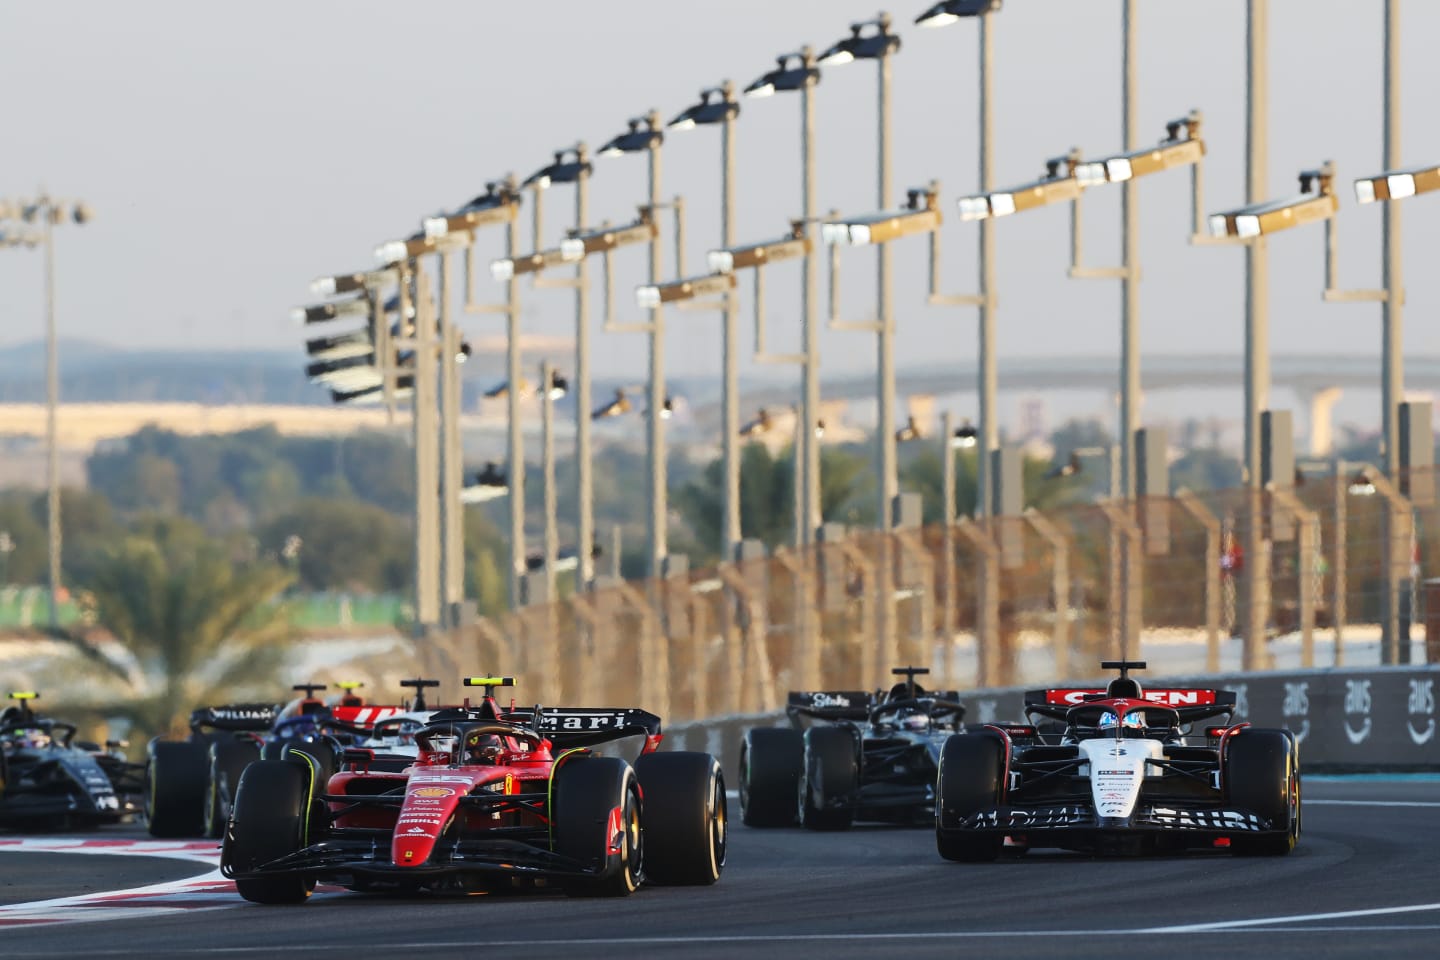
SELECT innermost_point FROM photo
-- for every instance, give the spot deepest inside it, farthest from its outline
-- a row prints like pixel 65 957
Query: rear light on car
pixel 1221 842
pixel 1215 733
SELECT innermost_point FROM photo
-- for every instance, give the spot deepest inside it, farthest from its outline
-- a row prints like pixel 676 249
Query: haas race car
pixel 1119 770
pixel 849 756
pixel 497 799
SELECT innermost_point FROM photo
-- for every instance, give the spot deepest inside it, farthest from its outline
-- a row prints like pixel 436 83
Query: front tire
pixel 228 760
pixel 770 762
pixel 829 779
pixel 270 820
pixel 685 819
pixel 1262 776
pixel 176 788
pixel 595 818
pixel 968 781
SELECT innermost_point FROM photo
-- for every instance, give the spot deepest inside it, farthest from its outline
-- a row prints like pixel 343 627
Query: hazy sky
pixel 233 152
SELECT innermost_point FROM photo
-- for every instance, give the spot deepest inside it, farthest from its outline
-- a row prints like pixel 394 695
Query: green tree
pixel 197 626
pixel 345 545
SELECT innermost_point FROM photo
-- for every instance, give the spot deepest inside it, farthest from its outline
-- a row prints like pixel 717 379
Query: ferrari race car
pixel 871 757
pixel 498 799
pixel 1126 773
pixel 47 782
pixel 191 783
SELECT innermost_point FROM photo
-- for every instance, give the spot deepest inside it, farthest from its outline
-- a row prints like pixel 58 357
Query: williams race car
pixel 1125 773
pixel 498 799
pixel 46 781
pixel 872 757
pixel 191 783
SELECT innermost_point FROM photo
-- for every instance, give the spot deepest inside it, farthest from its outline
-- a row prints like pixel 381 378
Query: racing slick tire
pixel 829 778
pixel 685 817
pixel 321 756
pixel 586 794
pixel 1262 776
pixel 770 761
pixel 270 820
pixel 175 788
pixel 228 759
pixel 968 780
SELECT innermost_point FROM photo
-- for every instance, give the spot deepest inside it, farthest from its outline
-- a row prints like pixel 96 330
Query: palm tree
pixel 196 625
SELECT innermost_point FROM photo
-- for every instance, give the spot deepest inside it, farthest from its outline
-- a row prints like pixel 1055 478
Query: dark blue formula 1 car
pixel 47 781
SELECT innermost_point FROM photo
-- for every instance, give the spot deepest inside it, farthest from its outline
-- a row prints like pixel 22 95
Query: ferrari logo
pixel 509 783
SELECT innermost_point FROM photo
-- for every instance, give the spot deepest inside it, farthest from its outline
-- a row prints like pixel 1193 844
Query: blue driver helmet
pixel 1134 720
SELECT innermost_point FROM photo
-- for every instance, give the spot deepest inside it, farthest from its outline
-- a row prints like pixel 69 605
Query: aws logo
pixel 1297 704
pixel 1422 704
pixel 1358 701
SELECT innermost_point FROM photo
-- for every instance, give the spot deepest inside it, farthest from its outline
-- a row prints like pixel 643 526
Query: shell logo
pixel 434 792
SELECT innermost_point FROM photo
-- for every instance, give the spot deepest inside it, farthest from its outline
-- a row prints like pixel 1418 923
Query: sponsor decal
pixel 1113 773
pixel 433 792
pixel 1297 704
pixel 1169 698
pixel 1422 704
pixel 829 700
pixel 577 720
pixel 414 830
pixel 432 821
pixel 423 802
pixel 441 778
pixel 1357 701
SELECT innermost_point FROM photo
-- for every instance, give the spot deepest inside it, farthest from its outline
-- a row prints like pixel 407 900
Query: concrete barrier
pixel 1380 719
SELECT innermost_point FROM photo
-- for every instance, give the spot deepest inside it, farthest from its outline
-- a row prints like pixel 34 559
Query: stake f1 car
pixel 1125 776
pixel 497 799
pixel 191 783
pixel 872 757
pixel 46 781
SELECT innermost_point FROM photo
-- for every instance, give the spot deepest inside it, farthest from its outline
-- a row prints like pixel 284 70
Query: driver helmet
pixel 915 722
pixel 32 739
pixel 1134 720
pixel 483 748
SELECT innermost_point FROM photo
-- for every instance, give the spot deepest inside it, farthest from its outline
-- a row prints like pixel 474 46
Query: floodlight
pixel 1397 185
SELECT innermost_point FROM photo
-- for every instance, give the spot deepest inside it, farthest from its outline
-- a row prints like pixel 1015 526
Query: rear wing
pixel 568 727
pixel 365 717
pixel 1190 704
pixel 829 704
pixel 236 717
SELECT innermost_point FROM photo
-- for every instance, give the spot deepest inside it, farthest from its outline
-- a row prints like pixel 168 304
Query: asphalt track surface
pixel 1364 880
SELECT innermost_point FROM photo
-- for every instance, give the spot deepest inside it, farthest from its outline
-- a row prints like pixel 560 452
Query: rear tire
pixel 829 779
pixel 968 780
pixel 272 805
pixel 228 760
pixel 585 793
pixel 685 817
pixel 770 762
pixel 175 788
pixel 1262 776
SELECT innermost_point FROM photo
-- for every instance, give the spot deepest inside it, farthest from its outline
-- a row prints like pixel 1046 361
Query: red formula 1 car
pixel 497 799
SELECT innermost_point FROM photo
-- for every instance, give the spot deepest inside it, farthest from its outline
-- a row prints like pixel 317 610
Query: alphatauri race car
pixel 1125 770
pixel 870 757
pixel 47 781
pixel 498 799
pixel 191 783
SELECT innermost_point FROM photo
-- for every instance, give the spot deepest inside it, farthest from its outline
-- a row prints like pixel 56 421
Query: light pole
pixel 879 45
pixel 718 106
pixel 645 136
pixel 50 212
pixel 797 71
pixel 989 436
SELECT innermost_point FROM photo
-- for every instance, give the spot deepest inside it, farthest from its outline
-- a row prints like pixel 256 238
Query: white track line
pixel 1296 918
pixel 1372 803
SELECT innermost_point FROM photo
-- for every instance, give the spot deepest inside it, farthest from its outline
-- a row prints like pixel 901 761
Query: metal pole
pixel 515 470
pixel 1257 333
pixel 52 403
pixel 584 476
pixel 989 408
pixel 810 308
pixel 452 452
pixel 427 454
pixel 730 388
pixel 885 338
pixel 1394 647
pixel 1130 284
pixel 655 447
pixel 547 469
pixel 947 563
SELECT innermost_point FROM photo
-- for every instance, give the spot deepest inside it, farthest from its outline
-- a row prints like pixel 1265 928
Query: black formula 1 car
pixel 1119 770
pixel 871 757
pixel 498 799
pixel 191 783
pixel 47 782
